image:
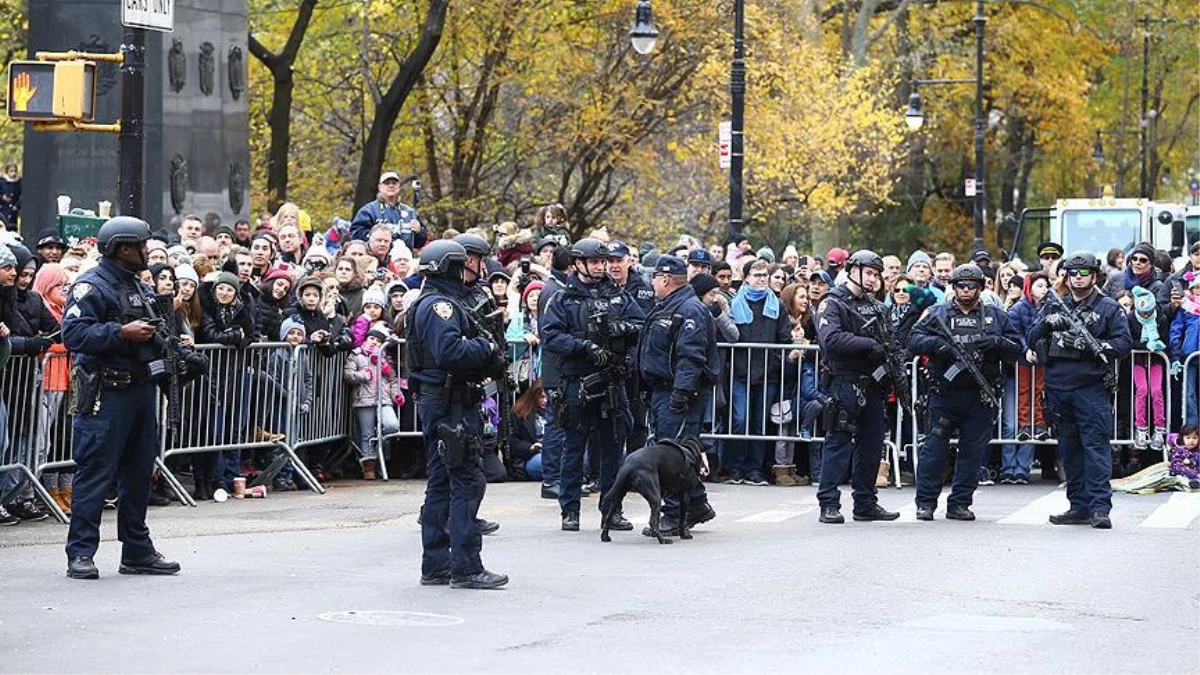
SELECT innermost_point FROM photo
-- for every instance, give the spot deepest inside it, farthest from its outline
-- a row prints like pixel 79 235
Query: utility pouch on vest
pixel 453 445
pixel 594 387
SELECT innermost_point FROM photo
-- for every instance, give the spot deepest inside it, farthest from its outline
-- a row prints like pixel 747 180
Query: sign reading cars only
pixel 150 14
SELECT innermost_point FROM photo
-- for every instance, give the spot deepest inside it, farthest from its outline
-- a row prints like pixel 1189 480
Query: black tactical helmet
pixel 474 244
pixel 589 248
pixel 1080 260
pixel 968 272
pixel 865 258
pixel 439 258
pixel 121 230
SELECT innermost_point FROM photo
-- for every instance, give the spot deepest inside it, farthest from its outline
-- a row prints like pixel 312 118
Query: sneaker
pixel 1141 439
pixel 590 488
pixel 7 518
pixel 1020 479
pixel 1025 434
pixel 756 478
pixel 1158 441
pixel 1040 432
pixel 26 510
pixel 1006 479
pixel 734 478
pixel 985 478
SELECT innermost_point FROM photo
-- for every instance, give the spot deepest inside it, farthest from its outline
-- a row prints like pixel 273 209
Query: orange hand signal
pixel 22 92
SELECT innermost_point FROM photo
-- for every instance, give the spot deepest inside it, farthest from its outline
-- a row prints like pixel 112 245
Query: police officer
pixel 984 335
pixel 109 327
pixel 448 360
pixel 590 325
pixel 854 416
pixel 1079 382
pixel 679 362
pixel 623 271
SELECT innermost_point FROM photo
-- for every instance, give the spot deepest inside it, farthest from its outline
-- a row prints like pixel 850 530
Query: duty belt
pixel 118 380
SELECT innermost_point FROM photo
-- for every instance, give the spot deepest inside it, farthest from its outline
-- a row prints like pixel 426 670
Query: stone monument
pixel 197 143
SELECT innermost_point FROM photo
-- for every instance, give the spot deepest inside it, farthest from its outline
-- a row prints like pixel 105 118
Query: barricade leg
pixel 173 482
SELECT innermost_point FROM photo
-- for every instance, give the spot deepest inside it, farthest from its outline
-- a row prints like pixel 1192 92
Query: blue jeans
pixel 533 467
pixel 1191 414
pixel 973 419
pixel 1015 459
pixel 1083 419
pixel 748 416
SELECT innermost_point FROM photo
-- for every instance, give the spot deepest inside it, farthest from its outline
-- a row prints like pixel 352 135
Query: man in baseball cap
pixel 835 259
pixel 699 261
pixel 50 247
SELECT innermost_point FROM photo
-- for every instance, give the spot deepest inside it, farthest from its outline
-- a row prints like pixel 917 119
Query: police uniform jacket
pixel 966 328
pixel 844 345
pixel 441 338
pixel 564 325
pixel 1069 368
pixel 678 347
pixel 549 371
pixel 641 293
pixel 100 301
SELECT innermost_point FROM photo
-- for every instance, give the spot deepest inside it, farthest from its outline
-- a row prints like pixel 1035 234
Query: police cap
pixel 121 230
pixel 670 264
pixel 618 249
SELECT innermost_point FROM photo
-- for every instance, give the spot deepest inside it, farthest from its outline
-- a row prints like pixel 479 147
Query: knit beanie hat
pixel 703 283
pixel 380 331
pixel 533 286
pixel 227 278
pixel 765 253
pixel 918 256
pixel 374 296
pixel 310 281
pixel 187 273
pixel 287 326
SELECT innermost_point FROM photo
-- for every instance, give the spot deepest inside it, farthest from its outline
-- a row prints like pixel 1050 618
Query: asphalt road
pixel 314 584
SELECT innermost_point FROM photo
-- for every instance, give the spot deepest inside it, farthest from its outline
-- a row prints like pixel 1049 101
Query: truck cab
pixel 1102 223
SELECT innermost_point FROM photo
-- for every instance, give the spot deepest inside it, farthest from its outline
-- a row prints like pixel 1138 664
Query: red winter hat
pixel 533 286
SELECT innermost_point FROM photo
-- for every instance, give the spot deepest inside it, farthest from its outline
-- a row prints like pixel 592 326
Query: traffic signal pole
pixel 132 136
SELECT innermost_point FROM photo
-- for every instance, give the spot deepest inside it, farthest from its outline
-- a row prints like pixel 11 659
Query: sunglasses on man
pixel 967 285
pixel 1079 273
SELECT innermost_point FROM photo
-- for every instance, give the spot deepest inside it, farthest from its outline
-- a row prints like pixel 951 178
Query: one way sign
pixel 151 14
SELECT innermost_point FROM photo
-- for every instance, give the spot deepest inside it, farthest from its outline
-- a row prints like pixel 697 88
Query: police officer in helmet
pixel 591 326
pixel 854 416
pixel 448 360
pixel 679 362
pixel 110 326
pixel 964 339
pixel 1084 334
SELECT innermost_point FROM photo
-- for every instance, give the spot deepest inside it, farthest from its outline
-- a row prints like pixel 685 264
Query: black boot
pixel 570 521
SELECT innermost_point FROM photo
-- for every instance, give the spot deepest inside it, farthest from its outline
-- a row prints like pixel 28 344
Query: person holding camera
pixel 448 360
pixel 591 326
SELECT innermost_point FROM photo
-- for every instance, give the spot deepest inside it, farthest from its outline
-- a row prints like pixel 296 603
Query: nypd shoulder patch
pixel 444 310
pixel 80 289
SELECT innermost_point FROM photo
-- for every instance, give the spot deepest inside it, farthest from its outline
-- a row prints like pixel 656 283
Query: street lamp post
pixel 914 118
pixel 644 36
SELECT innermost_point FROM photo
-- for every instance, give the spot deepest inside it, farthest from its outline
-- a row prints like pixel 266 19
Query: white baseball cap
pixel 389 175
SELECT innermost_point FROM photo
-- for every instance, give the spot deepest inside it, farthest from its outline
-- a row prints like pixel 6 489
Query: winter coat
pixel 1184 335
pixel 359 372
pixel 230 325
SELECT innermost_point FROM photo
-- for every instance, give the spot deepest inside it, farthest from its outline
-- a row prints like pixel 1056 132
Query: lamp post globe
pixel 643 35
pixel 913 117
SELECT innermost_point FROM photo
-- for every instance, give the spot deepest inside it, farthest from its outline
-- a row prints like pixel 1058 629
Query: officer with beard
pixel 1086 333
pixel 591 326
pixel 966 341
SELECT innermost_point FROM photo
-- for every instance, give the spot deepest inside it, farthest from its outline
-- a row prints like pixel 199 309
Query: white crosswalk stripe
pixel 1179 512
pixel 1038 512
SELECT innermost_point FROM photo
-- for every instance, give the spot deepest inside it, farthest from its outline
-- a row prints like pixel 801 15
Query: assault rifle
pixel 1083 340
pixel 490 325
pixel 600 331
pixel 879 327
pixel 967 362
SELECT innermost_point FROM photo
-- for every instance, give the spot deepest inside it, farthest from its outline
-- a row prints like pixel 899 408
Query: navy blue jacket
pixel 926 336
pixel 564 325
pixel 441 329
pixel 840 318
pixel 641 293
pixel 402 218
pixel 678 348
pixel 93 317
pixel 1105 320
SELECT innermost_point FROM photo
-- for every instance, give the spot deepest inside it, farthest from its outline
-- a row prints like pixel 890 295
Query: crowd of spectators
pixel 344 293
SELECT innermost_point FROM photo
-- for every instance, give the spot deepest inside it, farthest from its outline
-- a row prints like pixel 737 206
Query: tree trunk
pixel 388 109
pixel 279 117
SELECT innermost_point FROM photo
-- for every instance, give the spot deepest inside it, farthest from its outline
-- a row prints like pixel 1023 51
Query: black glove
pixel 1057 322
pixel 680 400
pixel 38 343
pixel 499 362
pixel 877 354
pixel 986 342
pixel 596 355
pixel 944 348
pixel 624 328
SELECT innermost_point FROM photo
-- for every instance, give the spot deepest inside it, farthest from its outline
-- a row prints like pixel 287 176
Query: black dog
pixel 667 467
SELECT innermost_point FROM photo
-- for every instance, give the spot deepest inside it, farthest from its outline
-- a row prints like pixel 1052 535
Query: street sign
pixel 724 144
pixel 40 91
pixel 969 187
pixel 149 14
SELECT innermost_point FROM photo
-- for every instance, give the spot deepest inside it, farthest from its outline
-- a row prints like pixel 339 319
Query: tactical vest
pixel 1062 343
pixel 132 305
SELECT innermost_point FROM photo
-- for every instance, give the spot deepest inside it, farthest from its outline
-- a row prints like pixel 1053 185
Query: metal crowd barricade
pixel 243 402
pixel 785 370
pixel 321 411
pixel 1191 363
pixel 1145 358
pixel 21 394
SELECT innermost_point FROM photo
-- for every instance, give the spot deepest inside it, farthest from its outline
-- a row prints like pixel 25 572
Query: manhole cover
pixel 391 618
